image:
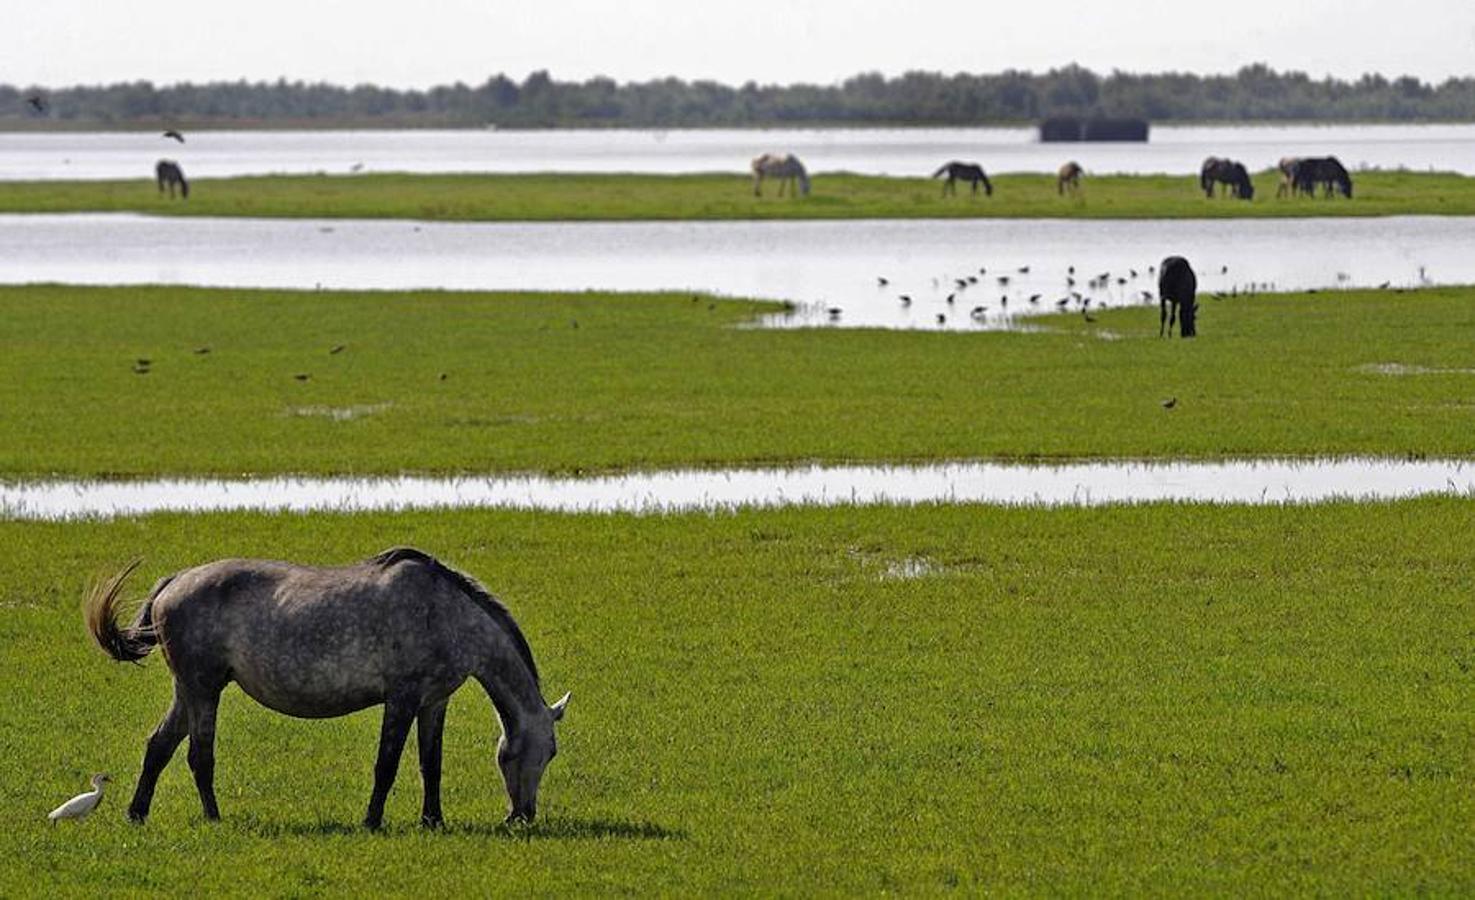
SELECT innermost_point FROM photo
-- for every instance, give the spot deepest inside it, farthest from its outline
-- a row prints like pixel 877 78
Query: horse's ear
pixel 558 708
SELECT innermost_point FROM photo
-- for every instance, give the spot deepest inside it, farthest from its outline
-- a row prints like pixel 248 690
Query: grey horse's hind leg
pixel 160 748
pixel 202 709
pixel 430 727
pixel 399 714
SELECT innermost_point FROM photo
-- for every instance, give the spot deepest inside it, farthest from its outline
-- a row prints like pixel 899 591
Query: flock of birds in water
pixel 1078 292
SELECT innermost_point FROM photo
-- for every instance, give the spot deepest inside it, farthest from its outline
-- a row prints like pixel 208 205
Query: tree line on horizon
pixel 1254 93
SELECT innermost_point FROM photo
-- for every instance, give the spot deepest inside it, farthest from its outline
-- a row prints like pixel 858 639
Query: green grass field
pixel 626 197
pixel 670 380
pixel 1153 700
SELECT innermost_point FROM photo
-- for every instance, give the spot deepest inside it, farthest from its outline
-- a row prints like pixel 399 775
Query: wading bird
pixel 80 806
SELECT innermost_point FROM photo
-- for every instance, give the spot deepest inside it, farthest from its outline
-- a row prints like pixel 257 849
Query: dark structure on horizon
pixel 1061 129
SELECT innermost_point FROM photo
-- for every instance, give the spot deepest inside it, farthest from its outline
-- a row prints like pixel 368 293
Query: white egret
pixel 79 806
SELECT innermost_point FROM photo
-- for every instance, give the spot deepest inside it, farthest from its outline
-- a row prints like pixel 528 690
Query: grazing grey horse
pixel 1227 172
pixel 1069 176
pixel 1177 288
pixel 168 173
pixel 961 171
pixel 785 167
pixel 400 629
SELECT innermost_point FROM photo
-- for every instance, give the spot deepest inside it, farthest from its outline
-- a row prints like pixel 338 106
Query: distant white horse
pixel 785 167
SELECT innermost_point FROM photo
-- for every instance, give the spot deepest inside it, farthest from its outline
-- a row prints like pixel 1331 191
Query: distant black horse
pixel 1177 287
pixel 961 171
pixel 1228 172
pixel 169 174
pixel 1326 171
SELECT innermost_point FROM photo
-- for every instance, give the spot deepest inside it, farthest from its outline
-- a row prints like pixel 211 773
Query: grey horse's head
pixel 522 759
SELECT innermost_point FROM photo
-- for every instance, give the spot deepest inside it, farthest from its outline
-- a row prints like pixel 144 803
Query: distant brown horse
pixel 170 175
pixel 1287 167
pixel 1227 172
pixel 1069 177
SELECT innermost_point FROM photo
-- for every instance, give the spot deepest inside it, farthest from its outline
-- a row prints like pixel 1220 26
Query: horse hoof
pixel 137 818
pixel 432 821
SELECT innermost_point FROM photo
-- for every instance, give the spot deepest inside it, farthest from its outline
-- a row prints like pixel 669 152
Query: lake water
pixel 882 151
pixel 819 265
pixel 1073 484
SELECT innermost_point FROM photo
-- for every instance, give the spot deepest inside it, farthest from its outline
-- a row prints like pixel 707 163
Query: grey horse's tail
pixel 130 643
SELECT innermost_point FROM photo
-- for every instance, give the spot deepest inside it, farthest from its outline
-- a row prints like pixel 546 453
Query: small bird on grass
pixel 337 349
pixel 201 351
pixel 171 133
pixel 1170 403
pixel 80 806
pixel 302 376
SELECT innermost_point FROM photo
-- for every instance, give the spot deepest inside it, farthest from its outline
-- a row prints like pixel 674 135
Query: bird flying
pixel 171 133
pixel 37 103
pixel 80 806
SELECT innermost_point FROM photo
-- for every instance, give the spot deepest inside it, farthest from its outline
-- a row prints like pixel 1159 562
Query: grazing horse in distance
pixel 168 173
pixel 1226 172
pixel 400 629
pixel 1069 176
pixel 961 171
pixel 1177 289
pixel 1326 171
pixel 1287 166
pixel 786 168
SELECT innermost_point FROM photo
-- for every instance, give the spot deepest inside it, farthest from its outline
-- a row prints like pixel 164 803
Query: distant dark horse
pixel 170 175
pixel 401 630
pixel 1226 172
pixel 1069 176
pixel 1326 171
pixel 1177 288
pixel 961 171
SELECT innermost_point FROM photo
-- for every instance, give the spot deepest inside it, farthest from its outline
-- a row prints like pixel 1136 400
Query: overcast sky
pixel 416 44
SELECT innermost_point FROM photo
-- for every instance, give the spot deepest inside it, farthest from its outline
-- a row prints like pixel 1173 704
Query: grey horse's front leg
pixel 160 748
pixel 430 728
pixel 399 713
pixel 202 710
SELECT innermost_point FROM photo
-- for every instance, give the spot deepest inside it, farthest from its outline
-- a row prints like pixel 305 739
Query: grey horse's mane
pixel 474 591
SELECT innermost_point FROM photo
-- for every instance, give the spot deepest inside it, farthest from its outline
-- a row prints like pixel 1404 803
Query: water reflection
pixel 1080 484
pixel 819 265
pixel 879 151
